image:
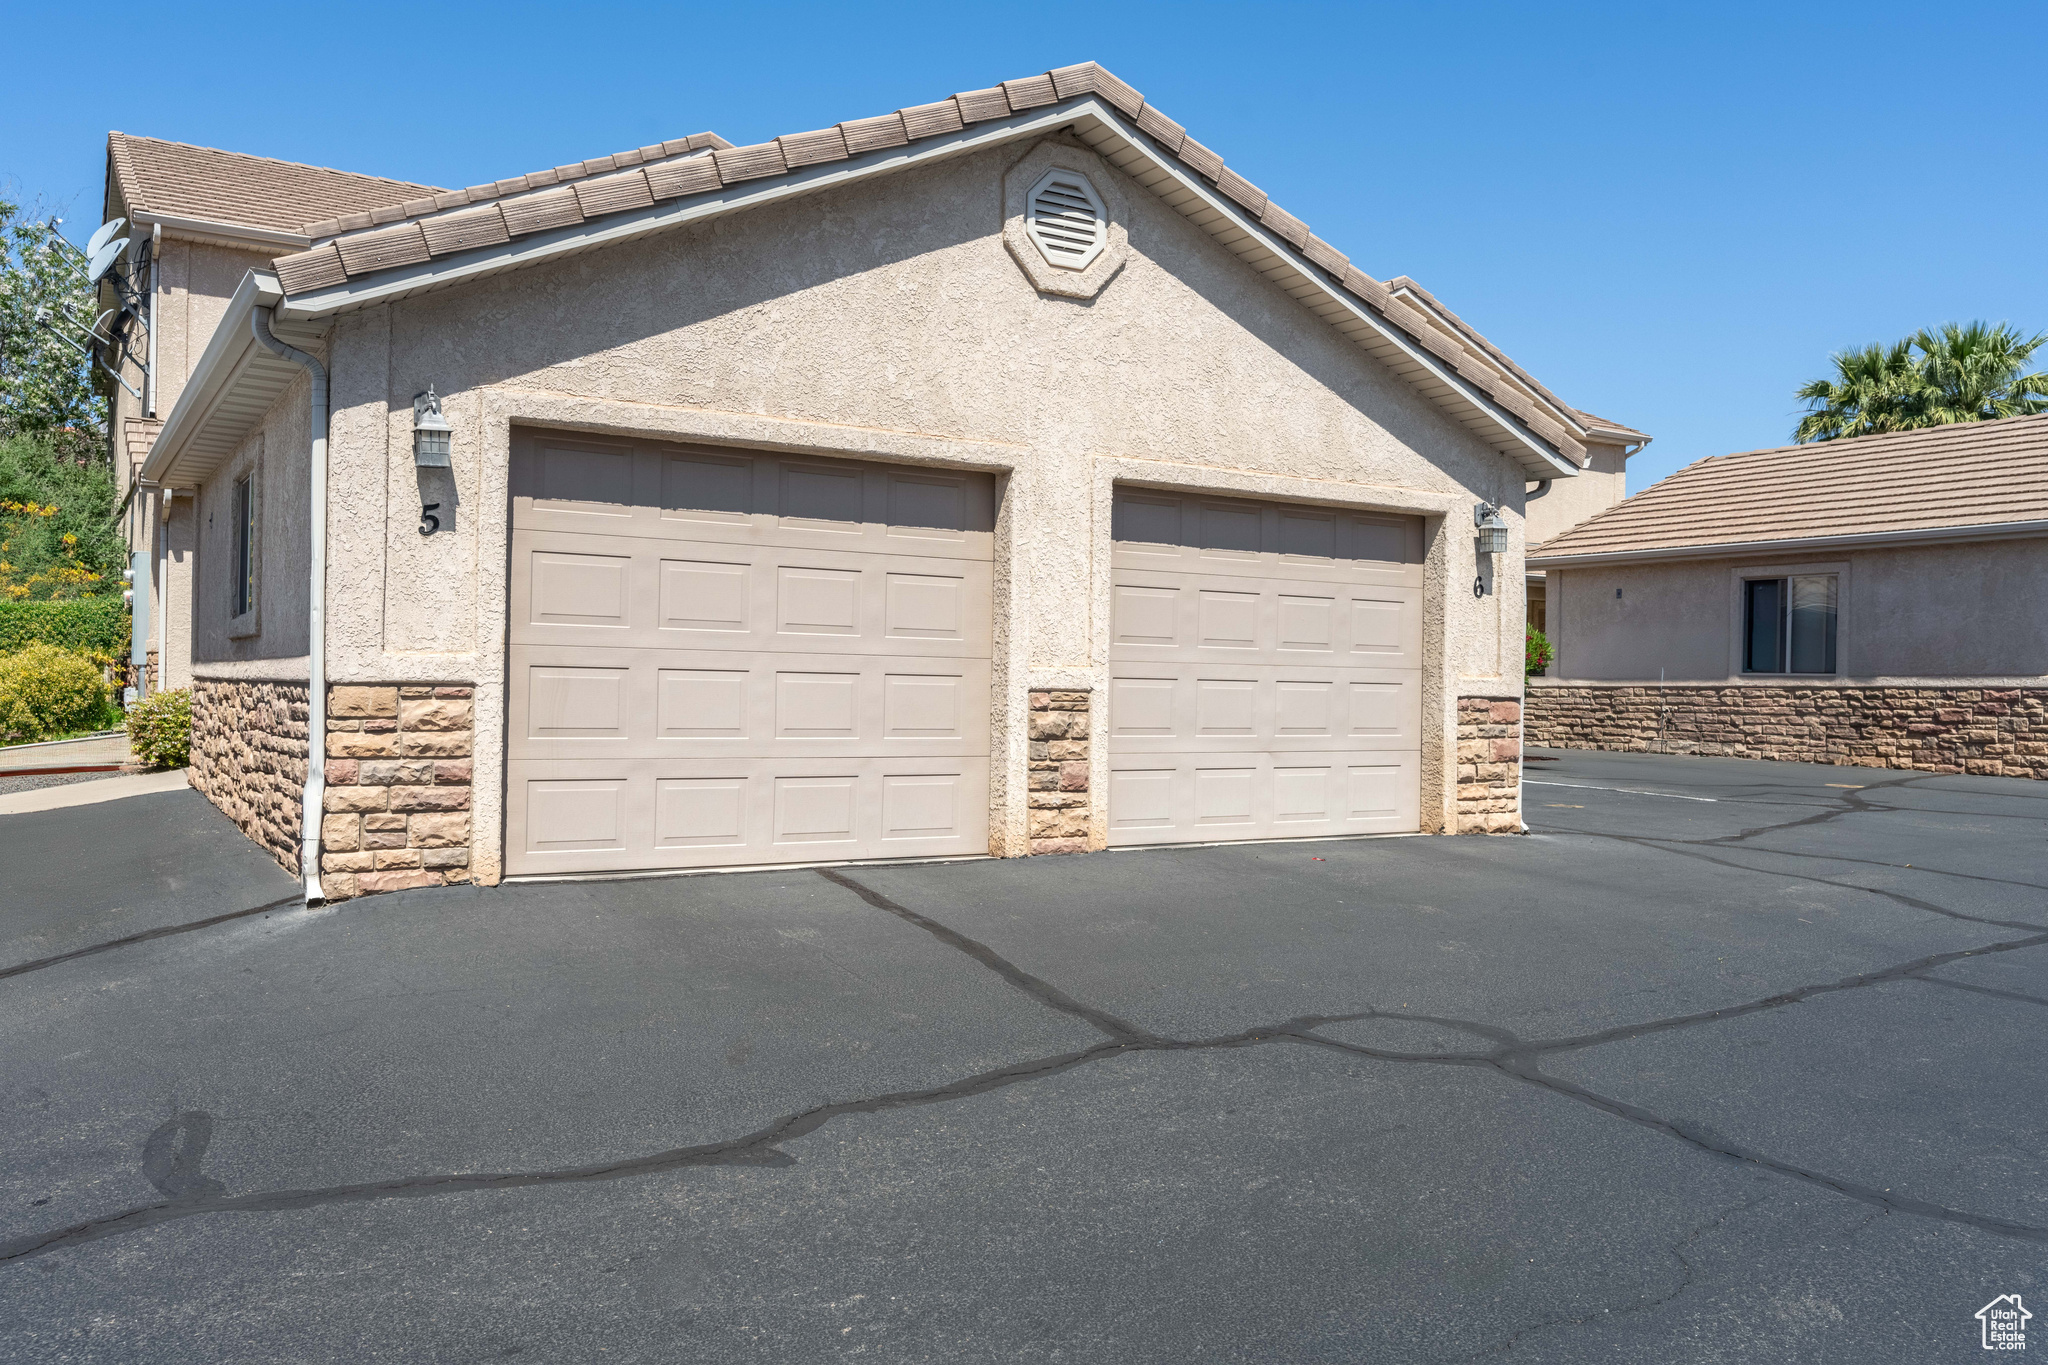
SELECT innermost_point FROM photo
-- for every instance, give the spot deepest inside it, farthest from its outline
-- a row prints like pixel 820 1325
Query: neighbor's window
pixel 1788 624
pixel 245 544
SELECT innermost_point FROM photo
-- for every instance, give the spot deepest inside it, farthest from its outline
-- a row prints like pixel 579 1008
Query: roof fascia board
pixel 1549 463
pixel 212 377
pixel 1571 420
pixel 233 232
pixel 1875 540
pixel 389 286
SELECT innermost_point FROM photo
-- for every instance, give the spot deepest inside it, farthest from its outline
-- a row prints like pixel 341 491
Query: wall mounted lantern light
pixel 1492 539
pixel 1493 532
pixel 430 431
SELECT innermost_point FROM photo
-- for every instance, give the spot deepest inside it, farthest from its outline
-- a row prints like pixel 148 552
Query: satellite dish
pixel 99 332
pixel 104 258
pixel 103 236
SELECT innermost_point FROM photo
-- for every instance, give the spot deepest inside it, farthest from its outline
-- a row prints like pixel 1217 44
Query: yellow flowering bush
pixel 46 691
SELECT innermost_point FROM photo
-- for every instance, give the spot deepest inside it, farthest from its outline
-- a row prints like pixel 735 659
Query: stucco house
pixel 1003 475
pixel 1874 601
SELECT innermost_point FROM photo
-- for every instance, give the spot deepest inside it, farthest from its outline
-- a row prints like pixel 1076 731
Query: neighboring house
pixel 999 475
pixel 200 221
pixel 1549 508
pixel 1874 601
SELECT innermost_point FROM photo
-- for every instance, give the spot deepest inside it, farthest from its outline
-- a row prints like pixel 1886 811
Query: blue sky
pixel 1670 214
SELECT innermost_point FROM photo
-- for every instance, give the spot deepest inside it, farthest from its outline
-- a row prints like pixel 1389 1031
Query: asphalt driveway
pixel 1728 1061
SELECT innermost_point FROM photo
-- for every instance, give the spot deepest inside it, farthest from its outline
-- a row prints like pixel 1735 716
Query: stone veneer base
pixel 1060 800
pixel 249 759
pixel 1990 732
pixel 1489 765
pixel 398 788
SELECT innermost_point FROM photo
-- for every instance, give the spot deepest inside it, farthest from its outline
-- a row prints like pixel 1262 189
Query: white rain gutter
pixel 207 227
pixel 316 614
pixel 1874 540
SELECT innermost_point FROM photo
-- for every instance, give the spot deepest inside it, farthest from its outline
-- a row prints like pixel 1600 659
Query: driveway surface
pixel 1728 1061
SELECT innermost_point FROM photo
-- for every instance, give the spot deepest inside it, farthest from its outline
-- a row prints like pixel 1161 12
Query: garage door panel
pixel 1262 684
pixel 599 815
pixel 1218 709
pixel 605 591
pixel 574 703
pixel 1189 533
pixel 1180 798
pixel 571 484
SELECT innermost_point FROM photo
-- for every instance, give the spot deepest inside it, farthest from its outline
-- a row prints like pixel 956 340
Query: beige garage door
pixel 721 657
pixel 1265 671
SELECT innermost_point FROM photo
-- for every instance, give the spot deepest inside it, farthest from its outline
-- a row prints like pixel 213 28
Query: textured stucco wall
pixel 277 451
pixel 888 320
pixel 1602 484
pixel 1934 613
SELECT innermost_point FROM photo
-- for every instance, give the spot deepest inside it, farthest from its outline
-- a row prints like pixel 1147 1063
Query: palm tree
pixel 1962 372
pixel 1873 390
pixel 1971 372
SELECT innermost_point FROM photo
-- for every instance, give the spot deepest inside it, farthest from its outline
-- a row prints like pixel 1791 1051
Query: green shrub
pixel 160 729
pixel 46 691
pixel 1536 652
pixel 96 627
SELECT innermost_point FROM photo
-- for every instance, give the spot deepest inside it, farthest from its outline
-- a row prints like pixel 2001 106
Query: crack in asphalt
pixel 1039 989
pixel 1980 990
pixel 176 1172
pixel 147 935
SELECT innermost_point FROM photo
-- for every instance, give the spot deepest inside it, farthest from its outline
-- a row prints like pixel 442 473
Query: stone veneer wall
pixel 1993 732
pixel 398 788
pixel 1060 804
pixel 1489 765
pixel 249 758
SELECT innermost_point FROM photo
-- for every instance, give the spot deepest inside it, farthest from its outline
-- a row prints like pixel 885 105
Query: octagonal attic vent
pixel 1067 221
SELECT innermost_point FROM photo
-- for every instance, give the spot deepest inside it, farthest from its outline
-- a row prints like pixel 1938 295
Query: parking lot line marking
pixel 1632 791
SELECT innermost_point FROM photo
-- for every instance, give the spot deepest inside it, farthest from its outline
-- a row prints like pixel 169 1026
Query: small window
pixel 245 544
pixel 1788 624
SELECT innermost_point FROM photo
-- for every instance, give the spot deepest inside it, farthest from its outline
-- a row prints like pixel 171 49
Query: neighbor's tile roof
pixel 427 227
pixel 185 181
pixel 1601 426
pixel 1966 474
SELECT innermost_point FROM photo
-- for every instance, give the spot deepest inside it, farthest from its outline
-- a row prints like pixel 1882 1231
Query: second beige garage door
pixel 721 657
pixel 1265 671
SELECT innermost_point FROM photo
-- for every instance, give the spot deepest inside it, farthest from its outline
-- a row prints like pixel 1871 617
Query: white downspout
pixel 156 289
pixel 316 614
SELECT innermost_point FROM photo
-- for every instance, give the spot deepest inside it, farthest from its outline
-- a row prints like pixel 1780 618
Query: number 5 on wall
pixel 429 523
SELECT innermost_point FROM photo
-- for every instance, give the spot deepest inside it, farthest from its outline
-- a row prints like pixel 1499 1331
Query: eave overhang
pixel 1750 549
pixel 235 382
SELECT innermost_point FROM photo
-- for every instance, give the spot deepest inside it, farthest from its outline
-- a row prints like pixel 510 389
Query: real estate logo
pixel 2004 1320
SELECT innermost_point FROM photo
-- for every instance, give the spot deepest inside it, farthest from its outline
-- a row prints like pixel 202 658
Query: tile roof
pixel 428 227
pixel 1401 284
pixel 185 181
pixel 1601 426
pixel 1966 474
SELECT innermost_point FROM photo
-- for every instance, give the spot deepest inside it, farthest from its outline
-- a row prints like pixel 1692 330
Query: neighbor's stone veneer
pixel 398 788
pixel 1489 765
pixel 1992 732
pixel 1059 772
pixel 249 758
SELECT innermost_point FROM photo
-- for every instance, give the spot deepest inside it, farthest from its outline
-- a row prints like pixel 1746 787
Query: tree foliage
pixel 59 537
pixel 1958 372
pixel 46 388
